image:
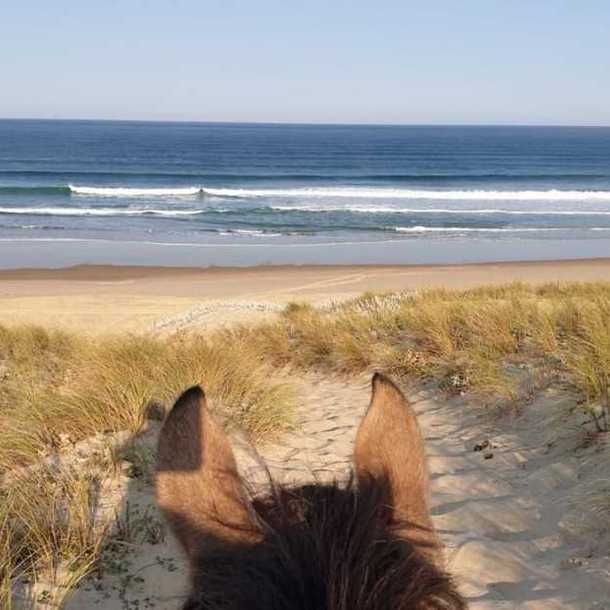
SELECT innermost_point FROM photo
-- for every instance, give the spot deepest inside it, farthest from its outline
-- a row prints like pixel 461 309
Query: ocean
pixel 315 188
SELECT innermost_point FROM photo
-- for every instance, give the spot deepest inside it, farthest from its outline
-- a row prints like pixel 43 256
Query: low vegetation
pixel 502 344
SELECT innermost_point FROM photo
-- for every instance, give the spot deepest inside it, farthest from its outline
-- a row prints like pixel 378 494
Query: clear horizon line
pixel 302 123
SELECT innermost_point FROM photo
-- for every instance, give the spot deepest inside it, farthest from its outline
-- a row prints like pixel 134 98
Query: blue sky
pixel 467 61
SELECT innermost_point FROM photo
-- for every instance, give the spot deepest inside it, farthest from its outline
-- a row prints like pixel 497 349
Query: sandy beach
pixel 509 516
pixel 99 299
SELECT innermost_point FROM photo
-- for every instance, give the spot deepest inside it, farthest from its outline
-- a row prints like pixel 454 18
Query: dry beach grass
pixel 58 389
pixel 501 342
pixel 500 346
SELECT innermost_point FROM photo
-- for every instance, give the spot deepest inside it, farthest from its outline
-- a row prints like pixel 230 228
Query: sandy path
pixel 498 517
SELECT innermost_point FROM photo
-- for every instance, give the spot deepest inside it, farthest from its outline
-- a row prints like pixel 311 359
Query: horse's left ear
pixel 389 446
pixel 198 486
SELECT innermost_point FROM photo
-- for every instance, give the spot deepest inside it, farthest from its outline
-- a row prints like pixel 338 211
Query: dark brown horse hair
pixel 323 547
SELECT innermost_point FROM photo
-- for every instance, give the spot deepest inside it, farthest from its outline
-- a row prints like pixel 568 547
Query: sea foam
pixel 396 193
pixel 375 209
pixel 107 191
pixel 421 229
pixel 353 192
pixel 56 211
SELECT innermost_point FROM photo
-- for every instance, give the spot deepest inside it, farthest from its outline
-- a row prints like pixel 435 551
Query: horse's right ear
pixel 389 447
pixel 198 486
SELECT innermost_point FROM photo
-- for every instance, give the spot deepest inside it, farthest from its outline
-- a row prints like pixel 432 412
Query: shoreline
pixel 93 271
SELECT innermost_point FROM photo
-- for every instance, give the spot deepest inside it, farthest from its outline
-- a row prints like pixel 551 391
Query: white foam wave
pixel 421 229
pixel 394 193
pixel 375 209
pixel 249 232
pixel 97 212
pixel 107 191
pixel 347 192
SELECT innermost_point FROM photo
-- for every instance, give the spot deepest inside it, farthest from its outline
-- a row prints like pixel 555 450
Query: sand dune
pixel 502 518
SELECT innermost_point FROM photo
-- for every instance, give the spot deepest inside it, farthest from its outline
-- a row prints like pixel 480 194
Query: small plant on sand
pixel 50 532
pixel 139 459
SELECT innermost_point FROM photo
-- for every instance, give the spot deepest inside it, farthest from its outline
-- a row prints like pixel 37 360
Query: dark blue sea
pixel 321 186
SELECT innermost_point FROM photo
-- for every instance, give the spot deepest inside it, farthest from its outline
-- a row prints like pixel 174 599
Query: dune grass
pixel 498 342
pixel 50 532
pixel 57 389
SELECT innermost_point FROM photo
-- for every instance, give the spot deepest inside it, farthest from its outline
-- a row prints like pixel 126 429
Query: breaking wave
pixel 347 192
pixel 265 210
pixel 115 191
pixel 394 193
pixel 421 229
pixel 372 209
pixel 32 211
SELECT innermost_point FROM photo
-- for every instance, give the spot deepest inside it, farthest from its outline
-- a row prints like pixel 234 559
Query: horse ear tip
pixel 381 380
pixel 193 396
pixel 194 392
pixel 378 377
pixel 385 388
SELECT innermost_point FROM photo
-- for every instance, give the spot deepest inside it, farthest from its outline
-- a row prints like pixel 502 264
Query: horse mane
pixel 323 547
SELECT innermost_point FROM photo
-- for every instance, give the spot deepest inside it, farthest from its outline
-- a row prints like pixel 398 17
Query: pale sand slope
pixel 504 520
pixel 99 299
